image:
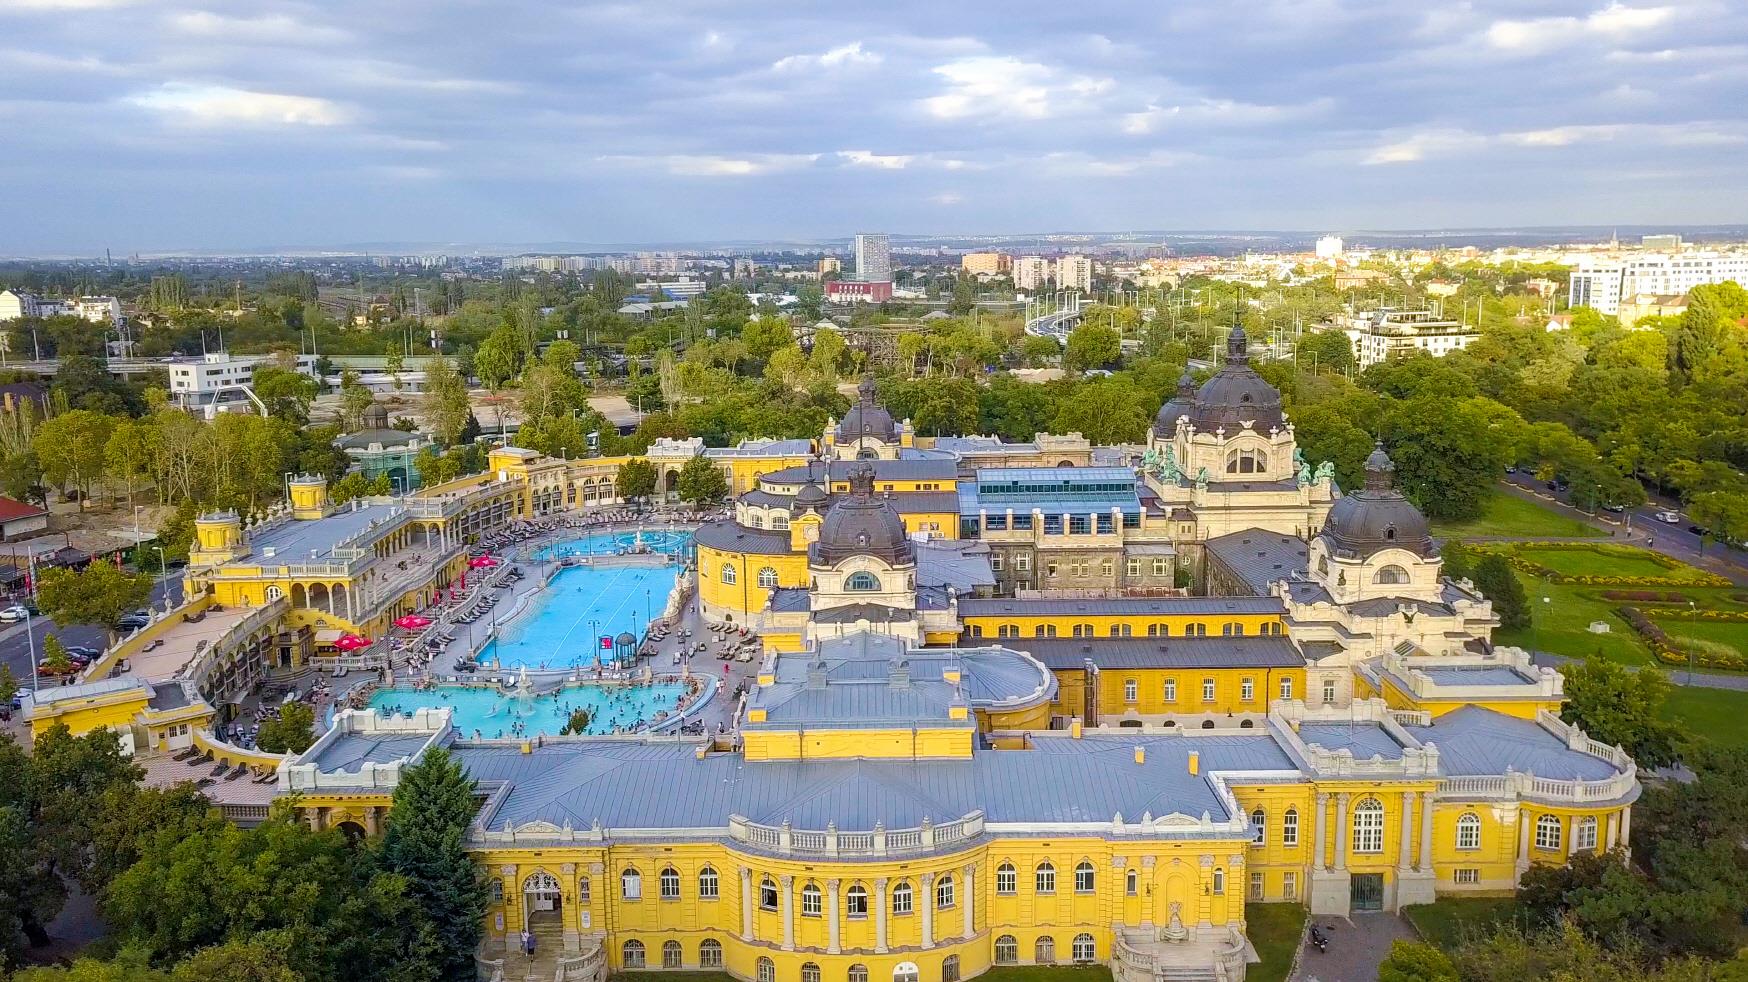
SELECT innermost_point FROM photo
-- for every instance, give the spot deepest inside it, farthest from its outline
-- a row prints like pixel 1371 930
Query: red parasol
pixel 412 621
pixel 482 562
pixel 351 642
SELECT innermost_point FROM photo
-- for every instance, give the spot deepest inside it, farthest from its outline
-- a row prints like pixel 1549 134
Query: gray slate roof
pixel 1473 741
pixel 726 536
pixel 1138 653
pixel 1260 557
pixel 992 606
pixel 350 751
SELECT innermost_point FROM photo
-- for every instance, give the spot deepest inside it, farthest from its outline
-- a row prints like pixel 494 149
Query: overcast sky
pixel 166 124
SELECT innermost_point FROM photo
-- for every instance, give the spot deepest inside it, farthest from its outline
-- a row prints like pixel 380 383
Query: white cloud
pixel 219 105
pixel 868 158
pixel 717 165
pixel 270 29
pixel 51 5
pixel 1418 146
pixel 1078 164
pixel 1615 22
pixel 1618 18
pixel 1449 142
pixel 845 56
pixel 1217 112
pixel 993 86
pixel 946 198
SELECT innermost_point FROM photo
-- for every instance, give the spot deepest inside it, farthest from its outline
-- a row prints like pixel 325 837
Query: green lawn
pixel 1562 625
pixel 1508 515
pixel 1732 633
pixel 1719 715
pixel 1274 930
pixel 1047 973
pixel 1454 920
pixel 1590 562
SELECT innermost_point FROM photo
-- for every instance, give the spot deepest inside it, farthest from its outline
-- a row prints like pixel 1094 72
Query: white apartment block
pixel 684 289
pixel 219 382
pixel 1074 272
pixel 1329 247
pixel 873 258
pixel 1031 272
pixel 15 304
pixel 1603 282
pixel 1379 335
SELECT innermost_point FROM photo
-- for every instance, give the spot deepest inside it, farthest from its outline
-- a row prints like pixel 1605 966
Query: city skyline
pixel 151 125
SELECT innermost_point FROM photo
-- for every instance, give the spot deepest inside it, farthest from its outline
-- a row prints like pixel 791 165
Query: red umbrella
pixel 412 621
pixel 351 642
pixel 482 562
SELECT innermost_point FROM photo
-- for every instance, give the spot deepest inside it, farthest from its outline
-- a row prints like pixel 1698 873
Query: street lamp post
pixel 30 642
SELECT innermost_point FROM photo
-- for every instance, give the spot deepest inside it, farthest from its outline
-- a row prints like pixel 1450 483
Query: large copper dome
pixel 861 524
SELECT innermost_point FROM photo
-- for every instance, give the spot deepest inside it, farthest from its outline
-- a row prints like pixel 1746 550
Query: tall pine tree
pixel 1494 578
pixel 425 842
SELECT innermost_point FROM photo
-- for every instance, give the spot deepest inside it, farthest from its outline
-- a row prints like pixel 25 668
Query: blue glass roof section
pixel 1055 490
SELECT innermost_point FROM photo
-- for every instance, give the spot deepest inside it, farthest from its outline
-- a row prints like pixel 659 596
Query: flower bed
pixel 1705 656
pixel 1513 555
pixel 1692 614
pixel 1644 596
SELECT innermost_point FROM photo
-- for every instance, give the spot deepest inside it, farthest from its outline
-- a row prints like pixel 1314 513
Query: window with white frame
pixel 811 906
pixel 1131 690
pixel 670 883
pixel 944 893
pixel 1219 882
pixel 1159 568
pixel 1259 827
pixel 1023 563
pixel 902 898
pixel 1006 879
pixel 1131 882
pixel 1290 886
pixel 1084 949
pixel 1584 833
pixel 1469 831
pixel 671 957
pixel 710 953
pixel 707 883
pixel 1044 878
pixel 1105 568
pixel 1286 688
pixel 856 902
pixel 1290 827
pixel 1171 690
pixel 1207 690
pixel 1083 877
pixel 768 578
pixel 728 573
pixel 631 954
pixel 1133 567
pixel 1246 689
pixel 631 885
pixel 1256 885
pixel 1007 950
pixel 1328 691
pixel 1548 832
pixel 1368 826
pixel 1466 875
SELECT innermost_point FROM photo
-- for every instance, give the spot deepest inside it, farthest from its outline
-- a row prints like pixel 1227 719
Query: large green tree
pixel 98 594
pixel 426 843
pixel 635 480
pixel 1091 346
pixel 1622 707
pixel 71 448
pixel 1493 576
pixel 291 732
pixel 701 482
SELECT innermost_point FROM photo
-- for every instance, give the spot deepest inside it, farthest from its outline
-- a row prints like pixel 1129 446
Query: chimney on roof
pixel 1195 763
pixel 900 676
pixel 1140 754
pixel 816 674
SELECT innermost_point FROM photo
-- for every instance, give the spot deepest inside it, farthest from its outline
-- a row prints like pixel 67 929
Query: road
pixel 15 646
pixel 1671 540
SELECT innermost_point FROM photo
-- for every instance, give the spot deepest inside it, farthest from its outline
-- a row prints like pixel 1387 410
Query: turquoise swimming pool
pixel 487 713
pixel 669 542
pixel 563 623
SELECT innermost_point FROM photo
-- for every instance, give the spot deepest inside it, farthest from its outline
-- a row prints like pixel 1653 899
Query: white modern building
pixel 1031 272
pixel 1074 272
pixel 1379 335
pixel 681 289
pixel 1329 247
pixel 220 382
pixel 873 258
pixel 16 304
pixel 1603 282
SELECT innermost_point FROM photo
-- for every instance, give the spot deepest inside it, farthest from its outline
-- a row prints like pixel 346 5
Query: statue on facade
pixel 1150 461
pixel 1168 469
pixel 1298 457
pixel 1304 471
pixel 1202 479
pixel 1325 472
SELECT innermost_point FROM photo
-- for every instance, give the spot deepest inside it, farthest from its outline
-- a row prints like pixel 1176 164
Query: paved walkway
pixel 1356 946
pixel 1677 675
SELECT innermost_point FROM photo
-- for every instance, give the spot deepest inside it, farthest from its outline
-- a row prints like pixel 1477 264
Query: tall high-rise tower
pixel 873 258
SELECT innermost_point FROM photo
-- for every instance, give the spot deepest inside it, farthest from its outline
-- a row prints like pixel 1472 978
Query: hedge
pixel 1552 575
pixel 1644 596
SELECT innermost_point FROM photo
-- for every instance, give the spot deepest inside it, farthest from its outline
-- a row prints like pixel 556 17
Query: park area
pixel 1274 931
pixel 1506 515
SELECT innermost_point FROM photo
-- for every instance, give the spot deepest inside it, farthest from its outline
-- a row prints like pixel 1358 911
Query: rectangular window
pixel 1131 690
pixel 1023 563
pixel 1256 885
pixel 1466 875
pixel 1328 691
pixel 710 956
pixel 1171 690
pixel 1286 688
pixel 1246 690
pixel 1290 828
pixel 1005 880
pixel 995 563
pixel 1050 570
pixel 1159 567
pixel 1289 886
pixel 1134 567
pixel 1207 690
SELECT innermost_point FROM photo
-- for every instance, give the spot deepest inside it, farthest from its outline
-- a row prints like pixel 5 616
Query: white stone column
pixel 1627 827
pixel 1613 831
pixel 786 897
pixel 831 896
pixel 928 902
pixel 1406 857
pixel 969 875
pixel 1426 803
pixel 1523 833
pixel 1320 859
pixel 880 915
pixel 746 904
pixel 1341 830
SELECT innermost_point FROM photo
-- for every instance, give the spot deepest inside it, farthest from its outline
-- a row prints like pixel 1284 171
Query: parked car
pixel 44 668
pixel 13 614
pixel 132 622
pixel 1614 509
pixel 1699 530
pixel 82 651
pixel 1669 517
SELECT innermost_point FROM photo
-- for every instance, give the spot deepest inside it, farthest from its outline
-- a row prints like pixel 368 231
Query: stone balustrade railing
pixel 832 843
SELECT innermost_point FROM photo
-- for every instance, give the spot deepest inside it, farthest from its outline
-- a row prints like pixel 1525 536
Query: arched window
pixel 1390 575
pixel 779 521
pixel 1083 948
pixel 1584 833
pixel 1083 877
pixel 862 581
pixel 1469 831
pixel 906 972
pixel 1007 631
pixel 1044 880
pixel 902 900
pixel 631 884
pixel 767 894
pixel 858 973
pixel 728 573
pixel 1219 881
pixel 856 902
pixel 1007 950
pixel 1548 832
pixel 944 893
pixel 631 953
pixel 671 957
pixel 274 593
pixel 1131 882
pixel 765 971
pixel 768 578
pixel 710 953
pixel 810 901
pixel 1259 827
pixel 1368 826
pixel 1044 950
pixel 1006 879
pixel 809 972
pixel 950 969
pixel 1290 827
pixel 670 883
pixel 707 889
pixel 1246 462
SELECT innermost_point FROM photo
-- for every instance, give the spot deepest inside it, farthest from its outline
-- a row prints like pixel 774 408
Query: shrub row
pixel 1644 596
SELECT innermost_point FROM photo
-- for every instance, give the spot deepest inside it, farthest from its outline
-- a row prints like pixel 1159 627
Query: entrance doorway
pixel 1367 893
pixel 543 904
